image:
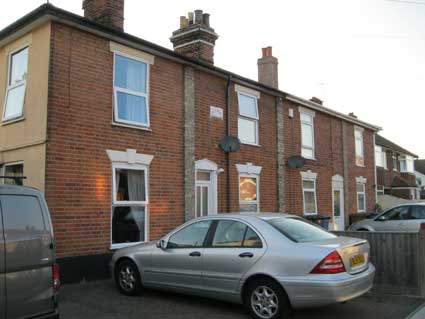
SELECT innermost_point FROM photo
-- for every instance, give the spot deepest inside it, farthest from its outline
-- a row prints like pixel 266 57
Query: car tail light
pixel 332 264
pixel 56 277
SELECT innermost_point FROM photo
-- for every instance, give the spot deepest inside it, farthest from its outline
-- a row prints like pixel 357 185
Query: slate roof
pixel 382 141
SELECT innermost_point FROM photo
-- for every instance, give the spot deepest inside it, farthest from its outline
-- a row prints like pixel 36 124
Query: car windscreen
pixel 299 230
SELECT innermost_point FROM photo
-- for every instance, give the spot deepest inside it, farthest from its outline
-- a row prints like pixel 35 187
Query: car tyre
pixel 128 279
pixel 266 299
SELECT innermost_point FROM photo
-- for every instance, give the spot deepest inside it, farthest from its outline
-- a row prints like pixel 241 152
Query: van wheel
pixel 266 299
pixel 128 278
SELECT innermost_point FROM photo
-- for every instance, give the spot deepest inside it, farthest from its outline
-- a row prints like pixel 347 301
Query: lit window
pixel 129 206
pixel 131 91
pixel 248 193
pixel 16 85
pixel 13 170
pixel 407 164
pixel 361 197
pixel 380 157
pixel 309 196
pixel 307 135
pixel 358 136
pixel 248 119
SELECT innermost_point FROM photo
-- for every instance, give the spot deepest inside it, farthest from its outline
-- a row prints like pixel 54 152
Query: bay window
pixel 16 85
pixel 407 164
pixel 131 100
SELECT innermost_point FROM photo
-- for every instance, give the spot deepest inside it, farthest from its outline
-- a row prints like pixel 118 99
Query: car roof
pixel 248 216
pixel 18 190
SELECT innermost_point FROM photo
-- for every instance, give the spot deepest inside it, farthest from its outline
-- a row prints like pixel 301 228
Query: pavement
pixel 101 299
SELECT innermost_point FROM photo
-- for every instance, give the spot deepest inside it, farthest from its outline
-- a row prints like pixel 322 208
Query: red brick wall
pixel 79 174
pixel 78 181
pixel 328 162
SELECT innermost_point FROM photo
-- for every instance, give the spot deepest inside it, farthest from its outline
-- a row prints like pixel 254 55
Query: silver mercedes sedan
pixel 272 263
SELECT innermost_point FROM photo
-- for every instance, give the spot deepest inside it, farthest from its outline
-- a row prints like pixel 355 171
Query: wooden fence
pixel 399 258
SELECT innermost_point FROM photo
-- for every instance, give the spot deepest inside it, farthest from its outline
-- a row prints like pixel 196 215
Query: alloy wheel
pixel 264 302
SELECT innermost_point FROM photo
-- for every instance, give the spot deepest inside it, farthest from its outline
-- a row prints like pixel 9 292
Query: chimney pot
pixel 198 16
pixel 352 115
pixel 268 68
pixel 206 19
pixel 183 22
pixel 190 17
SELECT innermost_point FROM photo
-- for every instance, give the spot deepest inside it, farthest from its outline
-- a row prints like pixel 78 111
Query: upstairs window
pixel 395 163
pixel 307 134
pixel 16 85
pixel 407 164
pixel 131 90
pixel 380 157
pixel 248 119
pixel 358 136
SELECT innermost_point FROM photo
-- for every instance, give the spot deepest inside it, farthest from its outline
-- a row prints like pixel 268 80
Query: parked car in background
pixel 269 262
pixel 407 217
pixel 29 277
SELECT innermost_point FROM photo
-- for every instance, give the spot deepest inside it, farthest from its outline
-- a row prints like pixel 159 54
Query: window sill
pixel 362 166
pixel 250 144
pixel 125 245
pixel 309 158
pixel 13 120
pixel 141 128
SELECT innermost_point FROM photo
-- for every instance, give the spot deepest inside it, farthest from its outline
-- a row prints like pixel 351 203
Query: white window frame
pixel 250 202
pixel 361 181
pixel 10 87
pixel 395 167
pixel 380 161
pixel 3 168
pixel 311 124
pixel 254 119
pixel 116 203
pixel 309 176
pixel 117 89
pixel 409 162
pixel 361 131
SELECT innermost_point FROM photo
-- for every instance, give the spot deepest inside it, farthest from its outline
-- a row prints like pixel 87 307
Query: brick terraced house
pixel 395 171
pixel 128 139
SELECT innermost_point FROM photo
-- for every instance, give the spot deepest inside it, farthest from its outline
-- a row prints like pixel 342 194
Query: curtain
pixel 136 185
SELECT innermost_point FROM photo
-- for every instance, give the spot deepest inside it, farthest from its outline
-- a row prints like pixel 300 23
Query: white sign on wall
pixel 216 112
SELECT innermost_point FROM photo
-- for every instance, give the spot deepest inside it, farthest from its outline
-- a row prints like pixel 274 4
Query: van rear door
pixel 29 257
pixel 2 271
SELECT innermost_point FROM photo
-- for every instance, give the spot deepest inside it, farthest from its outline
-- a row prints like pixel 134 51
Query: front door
pixel 180 264
pixel 338 209
pixel 2 271
pixel 205 197
pixel 28 257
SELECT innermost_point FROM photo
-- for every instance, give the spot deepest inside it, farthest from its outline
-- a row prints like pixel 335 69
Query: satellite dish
pixel 296 161
pixel 230 144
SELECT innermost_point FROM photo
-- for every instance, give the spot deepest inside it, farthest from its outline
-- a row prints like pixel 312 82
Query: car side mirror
pixel 161 244
pixel 381 219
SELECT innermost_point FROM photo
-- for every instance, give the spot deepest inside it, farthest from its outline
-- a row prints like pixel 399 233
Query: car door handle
pixel 195 254
pixel 246 255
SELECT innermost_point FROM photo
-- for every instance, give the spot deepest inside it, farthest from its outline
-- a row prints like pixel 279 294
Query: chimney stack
pixel 316 100
pixel 107 12
pixel 195 38
pixel 268 68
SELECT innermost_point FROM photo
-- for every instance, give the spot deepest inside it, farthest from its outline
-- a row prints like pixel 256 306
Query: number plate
pixel 357 260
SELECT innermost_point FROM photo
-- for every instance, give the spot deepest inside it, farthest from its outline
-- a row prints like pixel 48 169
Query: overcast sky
pixel 361 56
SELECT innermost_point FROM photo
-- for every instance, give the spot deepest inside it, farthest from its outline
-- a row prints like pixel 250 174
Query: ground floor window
pixel 309 196
pixel 361 197
pixel 380 190
pixel 248 193
pixel 13 170
pixel 129 207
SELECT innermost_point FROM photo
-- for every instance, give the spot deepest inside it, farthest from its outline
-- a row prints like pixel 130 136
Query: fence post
pixel 421 258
